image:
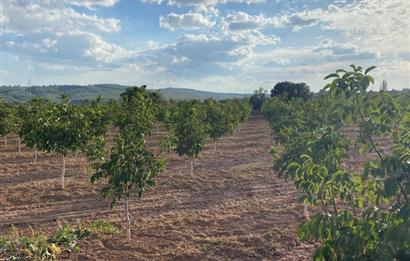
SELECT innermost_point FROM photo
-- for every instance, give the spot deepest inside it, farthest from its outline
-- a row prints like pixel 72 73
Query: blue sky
pixel 217 45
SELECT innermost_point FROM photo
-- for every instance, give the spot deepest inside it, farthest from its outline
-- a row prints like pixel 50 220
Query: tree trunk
pixel 19 141
pixel 35 155
pixel 305 211
pixel 192 167
pixel 214 145
pixel 5 140
pixel 63 170
pixel 127 216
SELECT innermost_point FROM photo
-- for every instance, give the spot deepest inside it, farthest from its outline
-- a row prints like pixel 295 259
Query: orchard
pixel 239 191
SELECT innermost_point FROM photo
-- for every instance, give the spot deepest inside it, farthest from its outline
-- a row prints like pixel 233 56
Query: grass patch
pixel 100 227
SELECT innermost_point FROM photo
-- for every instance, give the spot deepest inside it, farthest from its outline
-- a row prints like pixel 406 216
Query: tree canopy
pixel 291 90
pixel 257 99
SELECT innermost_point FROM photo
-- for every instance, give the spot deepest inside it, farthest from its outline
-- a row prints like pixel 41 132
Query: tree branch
pixel 368 136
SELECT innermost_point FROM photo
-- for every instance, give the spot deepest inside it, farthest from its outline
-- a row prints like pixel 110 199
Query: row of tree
pixel 362 214
pixel 191 122
pixel 130 166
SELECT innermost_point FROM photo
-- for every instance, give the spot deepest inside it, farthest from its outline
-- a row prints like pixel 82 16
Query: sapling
pixel 6 120
pixel 188 129
pixel 131 166
pixel 220 119
pixel 64 128
pixel 34 117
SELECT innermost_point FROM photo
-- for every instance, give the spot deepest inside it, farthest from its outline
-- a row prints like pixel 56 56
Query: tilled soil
pixel 232 208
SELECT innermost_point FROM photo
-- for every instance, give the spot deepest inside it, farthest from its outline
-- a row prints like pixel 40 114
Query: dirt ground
pixel 232 208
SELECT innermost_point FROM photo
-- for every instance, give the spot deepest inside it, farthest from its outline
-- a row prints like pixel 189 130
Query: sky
pixel 216 45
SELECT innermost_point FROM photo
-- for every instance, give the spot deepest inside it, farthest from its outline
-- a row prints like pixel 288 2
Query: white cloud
pixel 344 51
pixel 92 3
pixel 375 32
pixel 199 55
pixel 105 52
pixel 198 38
pixel 207 10
pixel 202 2
pixel 378 24
pixel 152 44
pixel 214 45
pixel 180 60
pixel 239 21
pixel 186 21
pixel 325 52
pixel 254 38
pixel 207 53
pixel 48 42
pixel 75 48
pixel 50 31
pixel 24 17
pixel 384 25
pixel 396 72
pixel 311 63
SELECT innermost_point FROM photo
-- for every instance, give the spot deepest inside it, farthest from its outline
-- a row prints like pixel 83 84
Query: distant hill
pixel 185 94
pixel 80 93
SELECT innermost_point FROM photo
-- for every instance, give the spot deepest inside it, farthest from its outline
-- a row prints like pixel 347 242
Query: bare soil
pixel 232 208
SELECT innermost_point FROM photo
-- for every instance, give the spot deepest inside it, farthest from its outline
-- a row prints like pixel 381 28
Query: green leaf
pixel 353 67
pixel 293 166
pixel 390 186
pixel 371 79
pixel 369 69
pixel 332 75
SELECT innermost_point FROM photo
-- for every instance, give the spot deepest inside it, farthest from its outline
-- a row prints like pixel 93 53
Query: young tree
pixel 97 120
pixel 65 128
pixel 239 111
pixel 189 130
pixel 257 99
pixel 34 115
pixel 220 119
pixel 243 108
pixel 18 114
pixel 131 166
pixel 113 113
pixel 6 120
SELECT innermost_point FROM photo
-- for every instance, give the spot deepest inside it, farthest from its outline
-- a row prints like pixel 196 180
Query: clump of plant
pixel 100 227
pixel 16 246
pixel 39 246
pixel 69 237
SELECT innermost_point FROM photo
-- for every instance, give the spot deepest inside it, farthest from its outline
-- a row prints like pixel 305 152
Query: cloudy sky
pixel 218 45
